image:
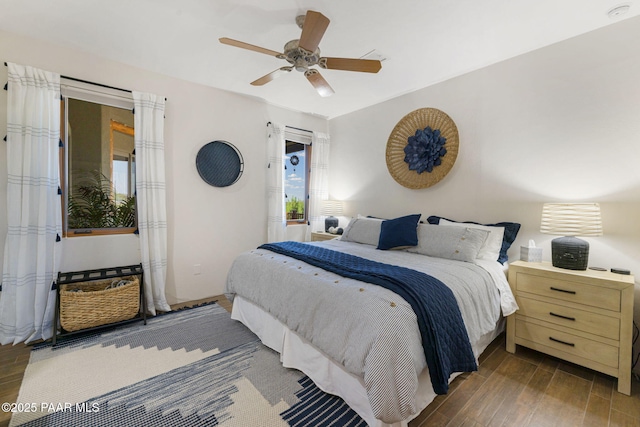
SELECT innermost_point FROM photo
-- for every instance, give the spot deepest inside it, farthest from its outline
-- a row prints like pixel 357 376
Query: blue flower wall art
pixel 426 139
pixel 425 149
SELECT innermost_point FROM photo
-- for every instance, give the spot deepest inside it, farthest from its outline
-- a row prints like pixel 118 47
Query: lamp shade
pixel 331 208
pixel 571 219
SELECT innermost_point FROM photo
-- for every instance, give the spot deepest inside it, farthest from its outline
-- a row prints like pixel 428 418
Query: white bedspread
pixel 367 329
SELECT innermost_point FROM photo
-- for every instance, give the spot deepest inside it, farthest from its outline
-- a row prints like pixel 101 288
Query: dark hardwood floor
pixel 529 388
pixel 523 389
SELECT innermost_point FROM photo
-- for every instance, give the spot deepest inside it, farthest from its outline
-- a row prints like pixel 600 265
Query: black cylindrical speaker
pixel 570 252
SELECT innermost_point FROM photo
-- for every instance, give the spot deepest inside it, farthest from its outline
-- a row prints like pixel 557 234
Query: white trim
pixel 96 94
pixel 298 135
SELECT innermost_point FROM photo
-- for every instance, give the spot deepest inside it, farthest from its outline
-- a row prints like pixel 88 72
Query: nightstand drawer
pixel 568 343
pixel 580 293
pixel 593 323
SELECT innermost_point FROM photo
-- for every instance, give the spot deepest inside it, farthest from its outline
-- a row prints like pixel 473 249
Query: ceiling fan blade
pixel 315 24
pixel 243 45
pixel 321 85
pixel 271 76
pixel 349 64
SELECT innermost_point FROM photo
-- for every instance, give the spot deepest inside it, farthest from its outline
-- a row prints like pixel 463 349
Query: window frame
pixel 307 174
pixel 304 137
pixel 84 91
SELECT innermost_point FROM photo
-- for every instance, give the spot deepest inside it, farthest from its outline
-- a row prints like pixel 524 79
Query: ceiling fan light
pixel 324 92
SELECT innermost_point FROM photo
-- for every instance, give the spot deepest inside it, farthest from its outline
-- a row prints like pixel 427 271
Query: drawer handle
pixel 562 290
pixel 562 342
pixel 561 316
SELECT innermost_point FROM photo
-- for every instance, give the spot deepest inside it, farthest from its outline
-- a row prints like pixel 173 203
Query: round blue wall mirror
pixel 219 163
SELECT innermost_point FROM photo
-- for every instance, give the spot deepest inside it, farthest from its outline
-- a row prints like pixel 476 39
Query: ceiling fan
pixel 304 53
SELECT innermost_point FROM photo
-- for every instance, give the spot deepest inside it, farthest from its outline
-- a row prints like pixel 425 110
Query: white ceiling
pixel 424 41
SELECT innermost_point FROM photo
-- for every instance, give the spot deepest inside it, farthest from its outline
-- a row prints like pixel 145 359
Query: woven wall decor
pixel 219 163
pixel 423 163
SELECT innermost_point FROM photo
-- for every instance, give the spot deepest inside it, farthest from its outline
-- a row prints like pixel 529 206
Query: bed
pixel 362 341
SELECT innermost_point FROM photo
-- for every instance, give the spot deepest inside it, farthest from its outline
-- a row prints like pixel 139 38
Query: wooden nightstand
pixel 318 236
pixel 584 317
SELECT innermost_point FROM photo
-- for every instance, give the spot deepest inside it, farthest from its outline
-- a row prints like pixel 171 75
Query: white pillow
pixel 456 243
pixel 490 250
pixel 363 230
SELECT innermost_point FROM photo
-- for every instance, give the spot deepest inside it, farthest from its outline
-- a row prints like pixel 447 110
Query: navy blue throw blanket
pixel 444 336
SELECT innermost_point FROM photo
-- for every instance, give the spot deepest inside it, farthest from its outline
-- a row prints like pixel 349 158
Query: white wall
pixel 558 124
pixel 207 225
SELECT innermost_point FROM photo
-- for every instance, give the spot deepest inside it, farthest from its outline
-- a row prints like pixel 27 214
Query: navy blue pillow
pixel 510 232
pixel 399 232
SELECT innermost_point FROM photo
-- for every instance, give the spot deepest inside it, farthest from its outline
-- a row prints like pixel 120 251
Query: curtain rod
pixel 96 84
pixel 93 83
pixel 291 127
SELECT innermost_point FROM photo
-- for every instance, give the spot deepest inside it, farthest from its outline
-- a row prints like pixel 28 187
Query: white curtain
pixel 319 177
pixel 276 218
pixel 150 195
pixel 34 218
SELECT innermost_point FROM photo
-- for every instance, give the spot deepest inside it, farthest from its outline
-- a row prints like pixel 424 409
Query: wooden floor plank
pixel 564 402
pixel 461 396
pixel 491 363
pixel 521 411
pixel 603 386
pixel 436 419
pixel 497 344
pixel 597 413
pixel 577 370
pixel 629 405
pixel 549 363
pixel 515 375
pixel 484 403
pixel 618 419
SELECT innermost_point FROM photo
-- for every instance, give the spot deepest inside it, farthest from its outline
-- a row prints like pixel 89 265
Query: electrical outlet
pixel 197 270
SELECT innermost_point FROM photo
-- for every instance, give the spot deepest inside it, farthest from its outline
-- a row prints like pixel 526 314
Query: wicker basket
pixel 95 306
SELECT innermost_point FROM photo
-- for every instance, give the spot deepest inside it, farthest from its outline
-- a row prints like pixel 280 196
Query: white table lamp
pixel 570 220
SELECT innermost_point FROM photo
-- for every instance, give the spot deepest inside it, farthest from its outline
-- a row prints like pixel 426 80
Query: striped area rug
pixel 193 367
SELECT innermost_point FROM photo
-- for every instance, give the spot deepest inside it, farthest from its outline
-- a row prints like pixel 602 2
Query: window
pixel 98 154
pixel 297 166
